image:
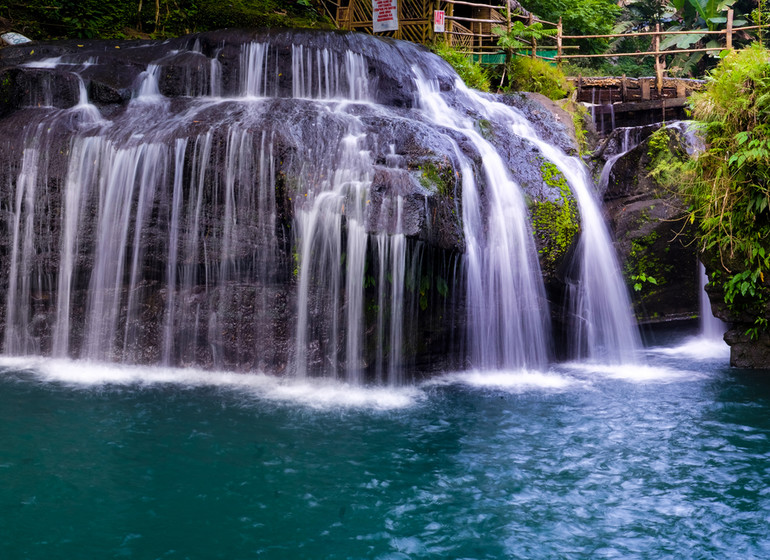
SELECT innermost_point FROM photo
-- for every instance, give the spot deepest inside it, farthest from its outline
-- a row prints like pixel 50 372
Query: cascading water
pixel 507 309
pixel 711 328
pixel 630 140
pixel 605 329
pixel 267 217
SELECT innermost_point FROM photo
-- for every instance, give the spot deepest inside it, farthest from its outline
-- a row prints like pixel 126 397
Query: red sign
pixel 438 21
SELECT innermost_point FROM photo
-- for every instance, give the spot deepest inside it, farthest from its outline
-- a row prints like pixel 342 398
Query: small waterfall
pixel 319 74
pixel 694 142
pixel 508 317
pixel 321 279
pixel 631 139
pixel 711 328
pixel 254 70
pixel 215 71
pixel 18 339
pixel 606 330
pixel 149 88
pixel 391 275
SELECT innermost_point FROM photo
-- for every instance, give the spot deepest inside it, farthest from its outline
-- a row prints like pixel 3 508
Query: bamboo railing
pixel 469 27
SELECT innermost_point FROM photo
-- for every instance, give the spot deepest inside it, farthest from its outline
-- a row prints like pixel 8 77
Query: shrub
pixel 472 73
pixel 535 75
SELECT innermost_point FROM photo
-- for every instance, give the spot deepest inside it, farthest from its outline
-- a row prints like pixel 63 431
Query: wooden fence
pixel 555 46
pixel 469 26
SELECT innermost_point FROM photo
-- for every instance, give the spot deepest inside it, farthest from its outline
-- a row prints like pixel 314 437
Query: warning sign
pixel 438 21
pixel 384 15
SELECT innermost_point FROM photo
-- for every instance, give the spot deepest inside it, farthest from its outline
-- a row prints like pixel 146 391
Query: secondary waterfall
pixel 711 328
pixel 508 316
pixel 605 330
pixel 322 205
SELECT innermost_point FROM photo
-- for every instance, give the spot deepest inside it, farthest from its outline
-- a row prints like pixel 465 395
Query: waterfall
pixel 605 329
pixel 508 318
pixel 632 137
pixel 264 209
pixel 254 70
pixel 711 328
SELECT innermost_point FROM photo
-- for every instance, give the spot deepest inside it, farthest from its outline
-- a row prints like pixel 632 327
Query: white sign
pixel 384 15
pixel 438 21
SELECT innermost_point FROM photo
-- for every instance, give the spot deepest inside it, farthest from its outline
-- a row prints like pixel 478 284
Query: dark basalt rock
pixel 749 346
pixel 653 237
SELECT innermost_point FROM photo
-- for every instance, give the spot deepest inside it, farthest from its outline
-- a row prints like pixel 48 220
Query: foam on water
pixel 312 393
pixel 700 347
pixel 635 373
pixel 509 380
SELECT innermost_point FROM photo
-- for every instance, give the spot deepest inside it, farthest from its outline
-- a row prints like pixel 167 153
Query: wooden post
pixel 624 89
pixel 398 34
pixel 533 50
pixel 645 85
pixel 448 26
pixel 729 30
pixel 508 17
pixel 658 63
pixel 351 11
pixel 558 43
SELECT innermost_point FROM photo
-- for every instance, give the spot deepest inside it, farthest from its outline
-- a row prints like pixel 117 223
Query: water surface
pixel 669 460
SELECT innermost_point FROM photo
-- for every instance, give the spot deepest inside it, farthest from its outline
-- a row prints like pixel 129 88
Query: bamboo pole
pixel 559 30
pixel 658 62
pixel 648 53
pixel 474 20
pixel 533 51
pixel 648 34
pixel 729 30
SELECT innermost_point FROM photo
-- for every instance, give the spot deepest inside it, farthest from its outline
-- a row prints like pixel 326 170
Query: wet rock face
pixel 747 352
pixel 652 236
pixel 215 190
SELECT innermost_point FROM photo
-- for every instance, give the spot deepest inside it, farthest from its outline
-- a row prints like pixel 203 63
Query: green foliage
pixel 730 192
pixel 642 267
pixel 761 16
pixel 668 160
pixel 60 19
pixel 579 17
pixel 580 116
pixel 521 36
pixel 555 223
pixel 641 279
pixel 535 75
pixel 472 73
pixel 625 65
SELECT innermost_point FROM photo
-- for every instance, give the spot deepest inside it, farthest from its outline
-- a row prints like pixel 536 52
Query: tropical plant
pixel 521 36
pixel 730 191
pixel 579 17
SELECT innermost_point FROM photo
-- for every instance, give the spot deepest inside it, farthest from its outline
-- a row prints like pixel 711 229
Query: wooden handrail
pixel 646 53
pixel 477 20
pixel 650 33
